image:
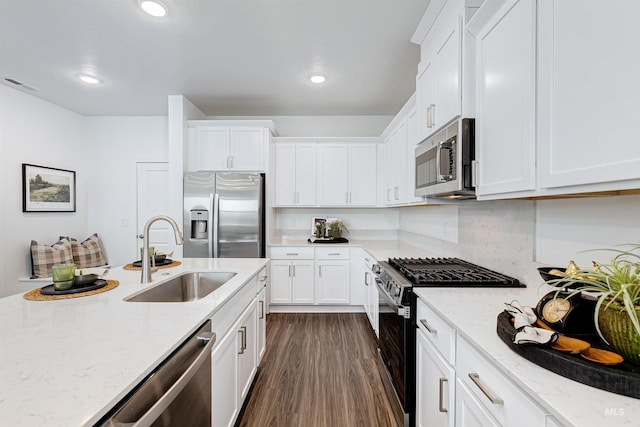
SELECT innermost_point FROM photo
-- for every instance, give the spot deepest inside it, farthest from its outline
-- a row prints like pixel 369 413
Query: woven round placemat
pixel 131 267
pixel 35 295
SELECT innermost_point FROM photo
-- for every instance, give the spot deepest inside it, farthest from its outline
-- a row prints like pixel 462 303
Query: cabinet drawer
pixel 440 334
pixel 291 252
pixel 503 399
pixel 332 253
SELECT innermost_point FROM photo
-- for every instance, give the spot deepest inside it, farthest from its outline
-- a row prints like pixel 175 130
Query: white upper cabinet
pixel 439 77
pixel 588 94
pixel 347 174
pixel 294 174
pixel 505 96
pixel 220 147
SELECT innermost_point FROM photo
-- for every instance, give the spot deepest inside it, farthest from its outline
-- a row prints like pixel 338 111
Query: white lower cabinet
pixel 457 385
pixel 261 327
pixel 506 402
pixel 235 355
pixel 469 411
pixel 332 282
pixel 291 282
pixel 435 386
pixel 310 276
pixel 247 360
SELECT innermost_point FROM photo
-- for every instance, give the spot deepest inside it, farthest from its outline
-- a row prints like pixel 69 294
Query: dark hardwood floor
pixel 319 370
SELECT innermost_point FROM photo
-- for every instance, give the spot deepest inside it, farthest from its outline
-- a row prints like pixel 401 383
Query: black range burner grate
pixel 452 272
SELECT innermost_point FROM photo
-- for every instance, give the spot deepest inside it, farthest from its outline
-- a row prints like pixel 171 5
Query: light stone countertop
pixel 473 313
pixel 67 362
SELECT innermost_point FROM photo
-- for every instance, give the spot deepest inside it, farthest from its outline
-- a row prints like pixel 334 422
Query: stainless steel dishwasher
pixel 176 393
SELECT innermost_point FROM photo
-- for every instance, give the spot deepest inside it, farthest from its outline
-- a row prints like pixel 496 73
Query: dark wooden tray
pixel 51 290
pixel 620 379
pixel 166 261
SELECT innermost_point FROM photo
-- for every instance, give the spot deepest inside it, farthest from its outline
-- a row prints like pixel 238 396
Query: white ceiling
pixel 229 57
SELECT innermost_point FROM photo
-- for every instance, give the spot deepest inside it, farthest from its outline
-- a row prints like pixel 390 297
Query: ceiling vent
pixel 15 82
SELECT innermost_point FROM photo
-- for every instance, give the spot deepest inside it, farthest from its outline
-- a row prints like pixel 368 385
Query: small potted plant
pixel 616 286
pixel 336 228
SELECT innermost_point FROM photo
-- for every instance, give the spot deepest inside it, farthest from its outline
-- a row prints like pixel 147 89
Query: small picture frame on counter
pixel 316 224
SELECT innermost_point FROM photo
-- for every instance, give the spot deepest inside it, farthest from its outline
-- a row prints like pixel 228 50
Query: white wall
pixel 293 224
pixel 517 236
pixel 36 132
pixel 114 146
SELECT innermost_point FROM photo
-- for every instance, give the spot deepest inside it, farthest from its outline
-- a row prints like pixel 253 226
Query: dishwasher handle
pixel 158 408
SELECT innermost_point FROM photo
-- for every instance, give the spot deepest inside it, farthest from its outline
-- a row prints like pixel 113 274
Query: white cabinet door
pixel 425 98
pixel 303 282
pixel 469 411
pixel 224 372
pixel 399 164
pixel 285 166
pixel 246 149
pixel 295 174
pixel 333 175
pixel 247 357
pixel 280 291
pixel 438 82
pixel 448 51
pixel 332 282
pixel 505 99
pixel 362 167
pixel 588 93
pixel 435 383
pixel 305 179
pixel 209 148
pixel 261 327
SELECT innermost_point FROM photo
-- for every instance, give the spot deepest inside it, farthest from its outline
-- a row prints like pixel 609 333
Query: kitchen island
pixel 67 362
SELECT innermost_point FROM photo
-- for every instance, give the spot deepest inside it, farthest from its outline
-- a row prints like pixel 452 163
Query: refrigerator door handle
pixel 210 226
pixel 216 218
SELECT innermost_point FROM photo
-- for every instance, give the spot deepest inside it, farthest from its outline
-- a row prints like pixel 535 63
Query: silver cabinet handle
pixel 292 253
pixel 493 399
pixel 334 253
pixel 289 270
pixel 441 407
pixel 388 194
pixel 319 271
pixel 243 332
pixel 264 278
pixel 428 327
pixel 428 117
pixel 432 115
pixel 261 310
pixel 231 162
pixel 396 193
pixel 294 270
pixel 366 278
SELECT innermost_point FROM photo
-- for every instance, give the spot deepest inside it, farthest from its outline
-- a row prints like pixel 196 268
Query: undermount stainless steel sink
pixel 186 287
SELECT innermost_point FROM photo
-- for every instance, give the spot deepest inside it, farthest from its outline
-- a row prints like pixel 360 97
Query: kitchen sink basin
pixel 186 287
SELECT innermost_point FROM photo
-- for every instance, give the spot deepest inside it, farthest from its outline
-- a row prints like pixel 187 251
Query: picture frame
pixel 317 220
pixel 46 189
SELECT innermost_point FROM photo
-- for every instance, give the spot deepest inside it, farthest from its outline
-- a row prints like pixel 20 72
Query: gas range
pixel 399 274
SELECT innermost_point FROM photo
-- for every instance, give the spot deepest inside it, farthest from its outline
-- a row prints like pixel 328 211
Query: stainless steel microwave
pixel 445 163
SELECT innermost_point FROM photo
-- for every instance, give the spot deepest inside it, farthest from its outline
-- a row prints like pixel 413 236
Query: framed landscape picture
pixel 48 189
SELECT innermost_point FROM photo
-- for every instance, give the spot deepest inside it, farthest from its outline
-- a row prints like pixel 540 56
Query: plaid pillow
pixel 43 257
pixel 88 253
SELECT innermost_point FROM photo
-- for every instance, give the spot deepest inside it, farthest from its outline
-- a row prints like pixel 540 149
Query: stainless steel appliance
pixel 224 215
pixel 445 163
pixel 396 280
pixel 176 393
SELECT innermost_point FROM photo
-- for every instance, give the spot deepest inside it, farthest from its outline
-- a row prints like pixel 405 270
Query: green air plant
pixel 615 285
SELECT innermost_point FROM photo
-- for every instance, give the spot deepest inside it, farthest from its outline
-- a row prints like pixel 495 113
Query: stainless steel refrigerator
pixel 224 215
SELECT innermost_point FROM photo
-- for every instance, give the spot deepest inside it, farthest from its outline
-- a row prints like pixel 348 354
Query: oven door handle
pixel 400 310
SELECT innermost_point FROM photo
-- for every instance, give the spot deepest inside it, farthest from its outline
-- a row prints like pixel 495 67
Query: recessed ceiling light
pixel 153 8
pixel 89 79
pixel 317 79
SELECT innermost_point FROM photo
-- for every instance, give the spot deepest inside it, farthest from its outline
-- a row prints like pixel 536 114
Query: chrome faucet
pixel 146 267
